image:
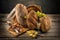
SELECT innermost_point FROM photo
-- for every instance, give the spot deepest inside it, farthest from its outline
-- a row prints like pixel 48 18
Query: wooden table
pixel 53 33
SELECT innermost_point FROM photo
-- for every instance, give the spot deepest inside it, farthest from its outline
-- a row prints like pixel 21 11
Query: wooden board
pixel 53 33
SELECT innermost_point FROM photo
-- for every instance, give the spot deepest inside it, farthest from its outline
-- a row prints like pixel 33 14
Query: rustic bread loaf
pixel 32 20
pixel 45 23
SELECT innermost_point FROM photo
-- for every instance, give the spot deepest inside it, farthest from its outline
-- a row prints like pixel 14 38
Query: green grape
pixel 32 33
pixel 40 14
pixel 44 14
pixel 36 33
pixel 33 36
pixel 25 17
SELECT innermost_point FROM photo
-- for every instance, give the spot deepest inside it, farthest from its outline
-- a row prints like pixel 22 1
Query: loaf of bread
pixel 32 20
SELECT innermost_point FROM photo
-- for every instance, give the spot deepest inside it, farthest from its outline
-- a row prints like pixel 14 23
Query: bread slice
pixel 15 34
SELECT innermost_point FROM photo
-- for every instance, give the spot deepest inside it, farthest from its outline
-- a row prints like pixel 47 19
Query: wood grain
pixel 53 33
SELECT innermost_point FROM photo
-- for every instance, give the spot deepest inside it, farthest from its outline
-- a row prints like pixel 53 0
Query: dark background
pixel 48 6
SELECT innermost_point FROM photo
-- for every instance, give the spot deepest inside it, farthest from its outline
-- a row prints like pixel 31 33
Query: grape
pixel 40 14
pixel 32 33
pixel 25 17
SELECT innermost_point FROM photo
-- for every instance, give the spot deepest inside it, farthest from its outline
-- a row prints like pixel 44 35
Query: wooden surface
pixel 53 33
